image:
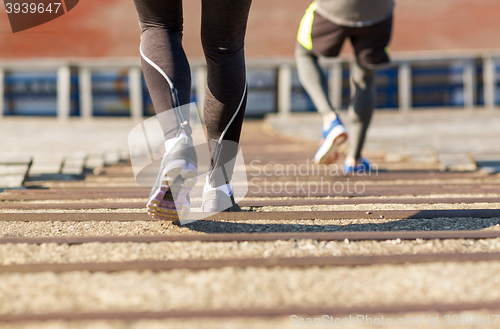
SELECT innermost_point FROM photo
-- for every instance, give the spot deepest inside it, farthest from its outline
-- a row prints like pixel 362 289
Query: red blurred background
pixel 96 28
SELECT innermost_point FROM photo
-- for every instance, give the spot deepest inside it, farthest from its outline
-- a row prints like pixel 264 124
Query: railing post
pixel 489 79
pixel 135 93
pixel 284 89
pixel 63 92
pixel 469 81
pixel 85 83
pixel 336 85
pixel 405 86
pixel 200 84
pixel 2 92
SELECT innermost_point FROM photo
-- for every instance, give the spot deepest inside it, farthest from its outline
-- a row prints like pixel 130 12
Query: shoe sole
pixel 170 200
pixel 327 153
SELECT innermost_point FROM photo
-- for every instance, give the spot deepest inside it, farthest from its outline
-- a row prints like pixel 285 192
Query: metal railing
pixel 284 67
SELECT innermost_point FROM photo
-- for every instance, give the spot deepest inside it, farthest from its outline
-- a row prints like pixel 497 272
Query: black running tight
pixel 223 27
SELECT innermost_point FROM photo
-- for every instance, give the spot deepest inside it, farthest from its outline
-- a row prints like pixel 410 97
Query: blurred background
pixel 86 63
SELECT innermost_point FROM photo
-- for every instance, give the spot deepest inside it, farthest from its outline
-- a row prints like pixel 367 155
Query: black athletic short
pixel 325 38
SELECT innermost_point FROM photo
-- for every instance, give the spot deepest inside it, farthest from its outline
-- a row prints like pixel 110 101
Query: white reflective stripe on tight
pixel 171 84
pixel 229 124
pixel 153 64
pixel 235 114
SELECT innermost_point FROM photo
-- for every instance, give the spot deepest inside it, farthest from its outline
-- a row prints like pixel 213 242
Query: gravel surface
pixel 93 228
pixel 382 198
pixel 122 228
pixel 383 206
pixel 258 323
pixel 267 183
pixel 64 201
pixel 75 211
pixel 346 207
pixel 123 252
pixel 269 180
pixel 233 288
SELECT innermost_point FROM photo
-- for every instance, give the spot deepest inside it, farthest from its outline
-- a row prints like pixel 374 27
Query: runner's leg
pixel 317 36
pixel 164 62
pixel 361 108
pixel 369 44
pixel 223 27
pixel 313 79
pixel 168 77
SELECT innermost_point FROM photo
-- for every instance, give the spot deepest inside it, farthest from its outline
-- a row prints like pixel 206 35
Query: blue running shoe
pixel 364 166
pixel 331 139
